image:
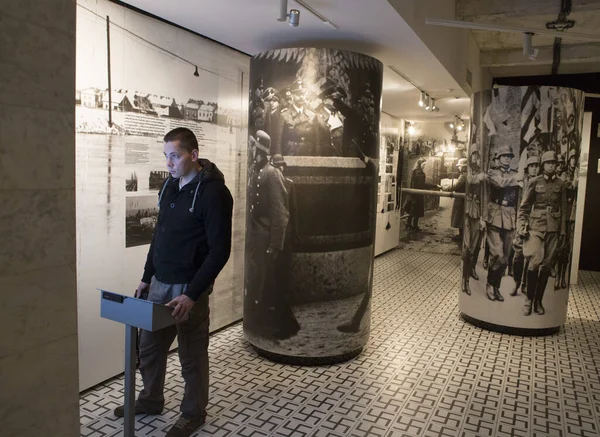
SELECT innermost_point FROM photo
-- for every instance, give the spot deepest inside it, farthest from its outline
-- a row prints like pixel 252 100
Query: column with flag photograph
pixel 520 210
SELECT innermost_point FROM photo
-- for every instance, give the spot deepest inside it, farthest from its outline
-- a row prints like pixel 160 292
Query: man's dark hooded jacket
pixel 192 239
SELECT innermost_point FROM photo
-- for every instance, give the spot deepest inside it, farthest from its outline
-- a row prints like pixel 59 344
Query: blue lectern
pixel 133 313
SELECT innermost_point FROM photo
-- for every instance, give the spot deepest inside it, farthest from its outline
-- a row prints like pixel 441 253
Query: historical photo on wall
pixel 522 173
pixel 131 89
pixel 312 177
pixel 141 214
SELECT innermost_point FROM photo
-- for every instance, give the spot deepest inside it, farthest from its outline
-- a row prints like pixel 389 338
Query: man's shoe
pixel 139 409
pixel 185 427
pixel 497 294
pixel 489 292
pixel 538 308
pixel 527 308
pixel 474 274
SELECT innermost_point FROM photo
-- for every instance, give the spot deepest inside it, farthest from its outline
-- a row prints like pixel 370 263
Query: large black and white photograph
pixel 141 213
pixel 521 188
pixel 312 178
pixel 137 79
pixel 434 155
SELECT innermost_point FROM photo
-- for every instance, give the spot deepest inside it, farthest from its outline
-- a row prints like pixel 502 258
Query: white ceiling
pixel 372 27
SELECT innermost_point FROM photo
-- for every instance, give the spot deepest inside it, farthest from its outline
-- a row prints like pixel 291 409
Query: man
pixel 501 219
pixel 457 219
pixel 473 223
pixel 297 133
pixel 190 246
pixel 542 224
pixel 564 256
pixel 560 167
pixel 267 225
pixel 531 172
pixel 495 164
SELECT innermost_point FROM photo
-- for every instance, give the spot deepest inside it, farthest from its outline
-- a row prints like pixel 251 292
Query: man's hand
pixel 183 305
pixel 143 287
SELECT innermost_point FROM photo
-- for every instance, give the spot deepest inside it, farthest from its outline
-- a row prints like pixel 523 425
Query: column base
pixel 307 361
pixel 510 330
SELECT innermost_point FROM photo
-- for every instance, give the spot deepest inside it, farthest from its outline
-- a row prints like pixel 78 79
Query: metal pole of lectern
pixel 133 313
pixel 129 389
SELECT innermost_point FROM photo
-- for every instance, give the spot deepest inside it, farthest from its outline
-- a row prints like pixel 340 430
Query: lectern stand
pixel 133 313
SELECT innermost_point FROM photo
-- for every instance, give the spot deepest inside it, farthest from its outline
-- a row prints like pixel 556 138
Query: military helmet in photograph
pixel 549 156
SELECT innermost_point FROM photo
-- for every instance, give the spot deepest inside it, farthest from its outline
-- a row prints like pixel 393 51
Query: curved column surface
pixel 312 192
pixel 521 196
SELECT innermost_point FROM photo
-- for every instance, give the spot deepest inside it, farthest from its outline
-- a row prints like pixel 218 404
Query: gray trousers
pixel 192 336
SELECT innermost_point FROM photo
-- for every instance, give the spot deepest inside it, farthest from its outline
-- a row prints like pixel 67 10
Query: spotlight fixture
pixel 428 104
pixel 528 49
pixel 433 107
pixel 422 99
pixel 293 17
pixel 196 72
pixel 457 123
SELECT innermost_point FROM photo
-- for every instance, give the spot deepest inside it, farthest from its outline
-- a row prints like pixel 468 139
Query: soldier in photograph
pixel 542 224
pixel 501 219
pixel 473 221
pixel 266 310
pixel 560 167
pixel 519 264
pixel 564 255
pixel 457 217
pixel 297 132
pixel 495 164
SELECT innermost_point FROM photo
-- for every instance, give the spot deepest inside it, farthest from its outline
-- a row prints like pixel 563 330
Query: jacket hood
pixel 210 172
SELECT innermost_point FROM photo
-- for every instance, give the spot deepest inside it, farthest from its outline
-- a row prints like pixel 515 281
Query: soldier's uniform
pixel 297 133
pixel 501 220
pixel 268 218
pixel 542 220
pixel 519 259
pixel 472 231
pixel 564 256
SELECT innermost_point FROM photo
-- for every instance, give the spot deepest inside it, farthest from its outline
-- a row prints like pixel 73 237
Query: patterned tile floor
pixel 425 372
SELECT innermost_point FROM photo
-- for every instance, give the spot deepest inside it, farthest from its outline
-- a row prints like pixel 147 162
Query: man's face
pixel 560 167
pixel 533 169
pixel 298 98
pixel 549 167
pixel 476 160
pixel 572 162
pixel 505 160
pixel 179 161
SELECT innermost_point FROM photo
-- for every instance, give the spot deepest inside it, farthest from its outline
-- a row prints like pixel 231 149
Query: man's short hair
pixel 187 139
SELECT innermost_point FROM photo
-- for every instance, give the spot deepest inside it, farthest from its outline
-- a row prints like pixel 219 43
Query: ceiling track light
pixel 528 49
pixel 428 103
pixel 196 72
pixel 422 99
pixel 293 17
pixel 496 28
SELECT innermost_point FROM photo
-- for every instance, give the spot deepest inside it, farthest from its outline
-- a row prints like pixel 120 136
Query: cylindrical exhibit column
pixel 312 181
pixel 521 197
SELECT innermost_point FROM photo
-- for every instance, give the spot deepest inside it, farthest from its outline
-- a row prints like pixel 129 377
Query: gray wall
pixel 38 313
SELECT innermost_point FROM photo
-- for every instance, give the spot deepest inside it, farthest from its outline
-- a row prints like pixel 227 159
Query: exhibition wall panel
pixel 138 78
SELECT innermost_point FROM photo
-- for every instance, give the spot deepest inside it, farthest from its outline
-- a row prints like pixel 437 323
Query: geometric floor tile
pixel 425 372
